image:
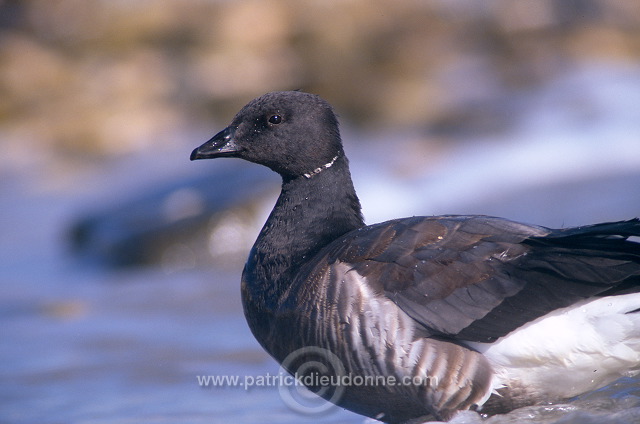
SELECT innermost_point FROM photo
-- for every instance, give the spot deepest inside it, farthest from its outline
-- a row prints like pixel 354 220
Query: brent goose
pixel 494 314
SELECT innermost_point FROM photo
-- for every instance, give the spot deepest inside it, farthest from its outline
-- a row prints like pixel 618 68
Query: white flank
pixel 571 350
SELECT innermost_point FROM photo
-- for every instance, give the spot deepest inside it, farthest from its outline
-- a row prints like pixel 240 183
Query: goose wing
pixel 478 278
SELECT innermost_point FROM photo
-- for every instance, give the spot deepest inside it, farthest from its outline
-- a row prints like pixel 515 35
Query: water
pixel 86 343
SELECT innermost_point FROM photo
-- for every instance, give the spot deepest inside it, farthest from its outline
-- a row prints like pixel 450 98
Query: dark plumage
pixel 463 300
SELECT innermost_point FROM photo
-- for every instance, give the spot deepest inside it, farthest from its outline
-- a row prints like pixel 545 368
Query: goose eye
pixel 275 119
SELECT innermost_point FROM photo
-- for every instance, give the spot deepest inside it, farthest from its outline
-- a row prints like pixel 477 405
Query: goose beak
pixel 220 145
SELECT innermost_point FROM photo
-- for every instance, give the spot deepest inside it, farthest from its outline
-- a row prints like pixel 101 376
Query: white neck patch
pixel 321 168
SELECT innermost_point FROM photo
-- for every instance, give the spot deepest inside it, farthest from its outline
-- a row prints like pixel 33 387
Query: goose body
pixel 486 313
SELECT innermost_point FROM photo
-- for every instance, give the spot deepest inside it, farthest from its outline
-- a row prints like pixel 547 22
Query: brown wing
pixel 478 278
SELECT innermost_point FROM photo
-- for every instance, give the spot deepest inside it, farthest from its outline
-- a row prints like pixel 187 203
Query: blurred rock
pixel 206 219
pixel 106 77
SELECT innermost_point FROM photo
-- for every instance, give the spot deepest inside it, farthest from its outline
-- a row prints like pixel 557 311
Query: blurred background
pixel 120 260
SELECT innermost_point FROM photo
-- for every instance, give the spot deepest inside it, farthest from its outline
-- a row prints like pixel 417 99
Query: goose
pixel 490 314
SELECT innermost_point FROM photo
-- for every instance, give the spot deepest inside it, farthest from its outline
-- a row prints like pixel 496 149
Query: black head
pixel 291 132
